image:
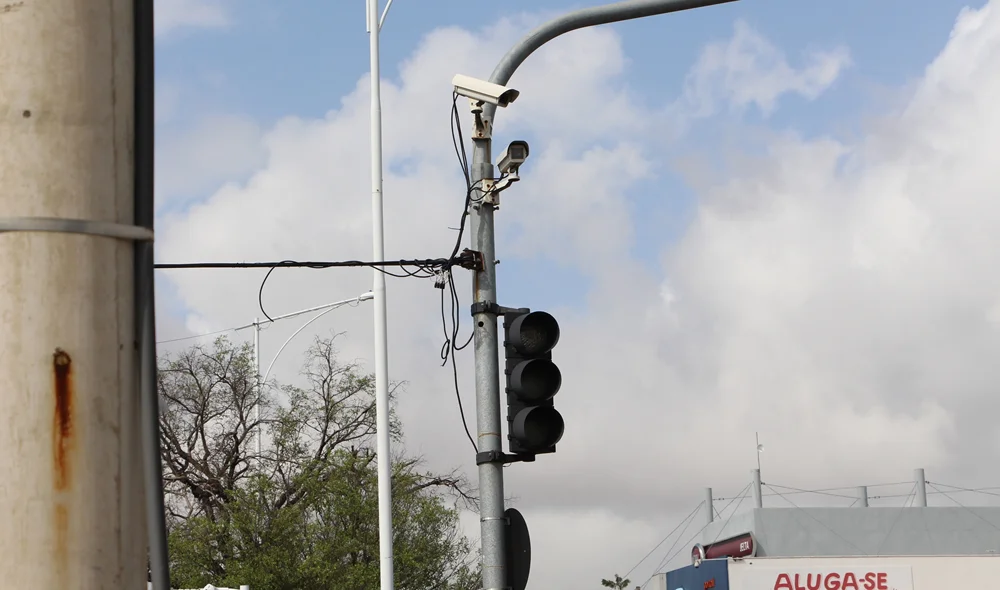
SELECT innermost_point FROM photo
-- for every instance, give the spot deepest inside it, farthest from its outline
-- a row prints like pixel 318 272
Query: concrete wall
pixel 792 532
pixel 657 582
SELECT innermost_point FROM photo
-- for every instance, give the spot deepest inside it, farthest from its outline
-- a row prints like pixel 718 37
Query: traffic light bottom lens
pixel 537 428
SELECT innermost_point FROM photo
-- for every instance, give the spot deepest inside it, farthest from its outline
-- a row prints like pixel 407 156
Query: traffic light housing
pixel 534 426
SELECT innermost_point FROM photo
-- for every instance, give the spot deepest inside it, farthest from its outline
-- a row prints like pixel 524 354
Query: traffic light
pixel 534 425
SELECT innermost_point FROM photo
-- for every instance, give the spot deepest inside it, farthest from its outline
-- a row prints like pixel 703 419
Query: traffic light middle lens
pixel 536 380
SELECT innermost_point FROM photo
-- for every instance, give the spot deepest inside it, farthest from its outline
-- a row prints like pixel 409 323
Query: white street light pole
pixel 327 308
pixel 383 455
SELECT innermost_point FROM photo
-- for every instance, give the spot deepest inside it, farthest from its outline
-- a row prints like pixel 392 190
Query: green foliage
pixel 617 584
pixel 303 514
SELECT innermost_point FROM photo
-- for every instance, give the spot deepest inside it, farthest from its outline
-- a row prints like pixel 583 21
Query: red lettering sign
pixel 832 581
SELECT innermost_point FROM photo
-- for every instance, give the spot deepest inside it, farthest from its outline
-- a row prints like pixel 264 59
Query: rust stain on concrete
pixel 62 368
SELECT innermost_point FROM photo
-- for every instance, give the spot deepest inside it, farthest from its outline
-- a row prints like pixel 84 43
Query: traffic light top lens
pixel 534 333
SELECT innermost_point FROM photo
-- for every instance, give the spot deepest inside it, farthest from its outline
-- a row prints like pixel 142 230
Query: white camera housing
pixel 483 91
pixel 512 157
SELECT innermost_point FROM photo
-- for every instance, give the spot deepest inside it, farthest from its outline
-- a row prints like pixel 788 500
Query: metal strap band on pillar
pixel 105 229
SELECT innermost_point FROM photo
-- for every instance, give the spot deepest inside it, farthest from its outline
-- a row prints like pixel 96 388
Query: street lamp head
pixel 483 91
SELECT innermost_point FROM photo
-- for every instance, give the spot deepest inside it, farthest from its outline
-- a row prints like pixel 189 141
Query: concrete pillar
pixel 862 496
pixel 918 477
pixel 709 507
pixel 71 494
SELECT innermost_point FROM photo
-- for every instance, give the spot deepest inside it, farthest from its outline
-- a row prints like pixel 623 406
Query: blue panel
pixel 712 574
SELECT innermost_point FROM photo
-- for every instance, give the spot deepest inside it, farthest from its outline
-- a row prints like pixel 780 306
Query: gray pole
pixel 758 496
pixel 918 476
pixel 145 289
pixel 487 353
pixel 709 507
pixel 862 496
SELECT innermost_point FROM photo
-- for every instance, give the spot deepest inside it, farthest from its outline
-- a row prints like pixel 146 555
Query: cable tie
pixel 440 279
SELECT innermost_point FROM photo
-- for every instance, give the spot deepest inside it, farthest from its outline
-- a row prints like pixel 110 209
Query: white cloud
pixel 173 15
pixel 748 70
pixel 835 297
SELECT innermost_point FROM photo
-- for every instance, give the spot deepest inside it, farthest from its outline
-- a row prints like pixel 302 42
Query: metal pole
pixel 380 324
pixel 758 496
pixel 709 506
pixel 487 354
pixel 921 481
pixel 862 496
pixel 145 289
pixel 72 497
pixel 260 386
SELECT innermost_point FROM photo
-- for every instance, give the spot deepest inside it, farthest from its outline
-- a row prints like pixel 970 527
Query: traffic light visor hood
pixel 534 333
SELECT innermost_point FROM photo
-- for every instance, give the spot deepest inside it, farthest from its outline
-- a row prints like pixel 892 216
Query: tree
pixel 303 513
pixel 617 584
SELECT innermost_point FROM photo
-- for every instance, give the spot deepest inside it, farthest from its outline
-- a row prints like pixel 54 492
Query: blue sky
pixel 299 58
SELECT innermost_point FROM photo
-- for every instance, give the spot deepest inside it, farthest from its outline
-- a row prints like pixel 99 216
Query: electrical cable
pixel 458 141
pixel 664 540
pixel 446 280
pixel 425 269
pixel 956 489
pixel 895 521
pixel 963 506
pixel 439 268
pixel 422 264
pixel 818 521
pixel 447 352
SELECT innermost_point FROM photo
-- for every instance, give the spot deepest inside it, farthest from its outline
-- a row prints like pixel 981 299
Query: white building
pixel 857 548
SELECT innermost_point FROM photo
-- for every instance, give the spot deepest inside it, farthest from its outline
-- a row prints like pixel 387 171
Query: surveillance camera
pixel 483 91
pixel 512 157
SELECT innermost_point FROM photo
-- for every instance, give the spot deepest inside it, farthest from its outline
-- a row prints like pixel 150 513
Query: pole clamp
pixel 486 307
pixel 492 308
pixel 471 260
pixel 502 457
pixel 90 227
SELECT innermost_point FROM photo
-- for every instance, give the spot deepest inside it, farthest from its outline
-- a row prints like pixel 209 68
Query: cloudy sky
pixel 771 217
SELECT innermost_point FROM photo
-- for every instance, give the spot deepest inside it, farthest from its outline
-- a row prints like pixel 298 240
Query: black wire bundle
pixel 450 346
